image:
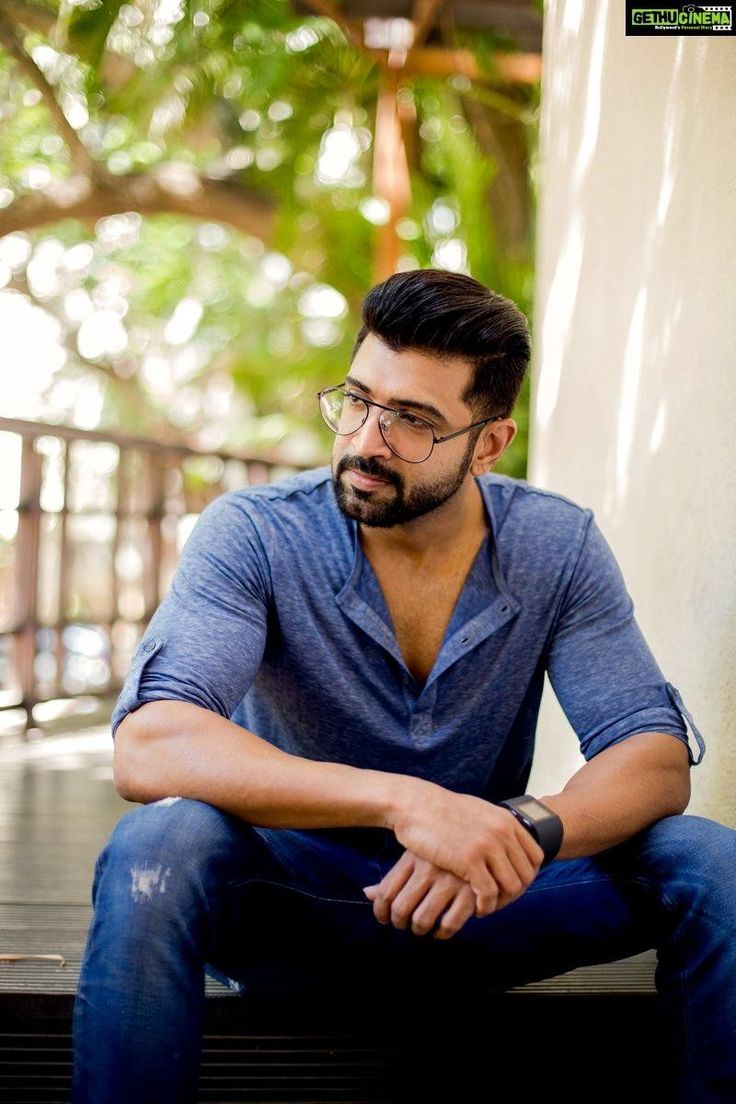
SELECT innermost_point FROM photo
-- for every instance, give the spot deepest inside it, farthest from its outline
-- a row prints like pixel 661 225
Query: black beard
pixel 399 508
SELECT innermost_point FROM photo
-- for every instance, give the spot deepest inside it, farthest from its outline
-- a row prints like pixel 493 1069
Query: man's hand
pixel 416 892
pixel 480 843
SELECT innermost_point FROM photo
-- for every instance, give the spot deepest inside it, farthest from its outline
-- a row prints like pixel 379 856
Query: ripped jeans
pixel 182 888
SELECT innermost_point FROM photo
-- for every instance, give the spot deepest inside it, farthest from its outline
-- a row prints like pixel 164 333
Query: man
pixel 341 687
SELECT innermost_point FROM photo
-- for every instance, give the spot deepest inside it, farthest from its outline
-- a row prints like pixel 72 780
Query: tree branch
pixel 129 386
pixel 33 17
pixel 68 339
pixel 197 197
pixel 82 159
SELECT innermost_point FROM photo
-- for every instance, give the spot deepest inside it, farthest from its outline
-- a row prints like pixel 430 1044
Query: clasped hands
pixel 464 857
pixel 415 893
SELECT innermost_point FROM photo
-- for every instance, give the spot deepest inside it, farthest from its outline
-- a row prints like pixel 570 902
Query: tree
pixel 187 191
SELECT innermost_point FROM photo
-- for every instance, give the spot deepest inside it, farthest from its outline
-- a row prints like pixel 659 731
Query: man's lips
pixel 365 482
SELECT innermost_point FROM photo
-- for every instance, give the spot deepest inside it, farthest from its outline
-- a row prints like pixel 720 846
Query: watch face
pixel 532 809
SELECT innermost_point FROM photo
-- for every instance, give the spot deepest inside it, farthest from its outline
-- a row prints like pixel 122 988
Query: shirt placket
pixel 361 599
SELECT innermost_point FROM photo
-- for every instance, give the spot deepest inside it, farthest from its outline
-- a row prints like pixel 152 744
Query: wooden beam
pixel 424 17
pixel 326 7
pixel 435 62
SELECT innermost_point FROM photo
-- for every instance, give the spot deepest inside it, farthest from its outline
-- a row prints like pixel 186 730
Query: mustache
pixel 366 467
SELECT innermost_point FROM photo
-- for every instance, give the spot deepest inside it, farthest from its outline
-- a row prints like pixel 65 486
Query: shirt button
pixel 421 726
pixel 149 646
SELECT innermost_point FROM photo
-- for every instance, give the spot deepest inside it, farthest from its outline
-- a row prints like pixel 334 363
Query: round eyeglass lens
pixel 409 437
pixel 341 412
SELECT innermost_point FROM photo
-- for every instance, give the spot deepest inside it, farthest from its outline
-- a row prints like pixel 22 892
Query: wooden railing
pixel 91 528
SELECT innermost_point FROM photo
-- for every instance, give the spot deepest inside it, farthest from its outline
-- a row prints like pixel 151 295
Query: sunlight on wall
pixel 557 318
pixel 576 128
pixel 674 108
pixel 635 346
pixel 627 407
pixel 588 141
pixel 658 428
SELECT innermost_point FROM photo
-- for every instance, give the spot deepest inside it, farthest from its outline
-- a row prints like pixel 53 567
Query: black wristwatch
pixel 539 820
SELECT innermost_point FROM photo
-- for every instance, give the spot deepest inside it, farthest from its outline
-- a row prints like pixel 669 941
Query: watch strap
pixel 548 831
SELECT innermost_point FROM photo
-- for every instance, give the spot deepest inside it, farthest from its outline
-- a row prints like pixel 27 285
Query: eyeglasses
pixel 409 436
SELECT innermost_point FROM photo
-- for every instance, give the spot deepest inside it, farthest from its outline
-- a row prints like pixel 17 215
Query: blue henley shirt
pixel 276 620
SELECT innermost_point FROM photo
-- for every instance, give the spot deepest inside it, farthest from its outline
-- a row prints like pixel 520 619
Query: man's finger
pixel 461 909
pixel 425 915
pixel 415 895
pixel 389 886
pixel 485 889
pixel 527 855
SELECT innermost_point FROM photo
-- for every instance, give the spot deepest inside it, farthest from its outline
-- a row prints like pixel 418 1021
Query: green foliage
pixel 87 29
pixel 251 94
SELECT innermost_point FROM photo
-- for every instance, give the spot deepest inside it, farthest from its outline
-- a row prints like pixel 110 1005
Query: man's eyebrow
pixel 415 404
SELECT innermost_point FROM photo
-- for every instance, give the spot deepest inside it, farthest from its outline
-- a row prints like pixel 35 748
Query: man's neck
pixel 434 537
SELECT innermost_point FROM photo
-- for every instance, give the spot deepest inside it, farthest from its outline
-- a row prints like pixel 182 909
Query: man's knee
pixel 693 856
pixel 150 843
pixel 694 838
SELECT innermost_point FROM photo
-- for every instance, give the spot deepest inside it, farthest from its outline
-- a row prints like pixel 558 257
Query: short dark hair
pixel 450 314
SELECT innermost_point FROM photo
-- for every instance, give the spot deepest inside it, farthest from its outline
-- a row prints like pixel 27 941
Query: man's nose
pixel 368 441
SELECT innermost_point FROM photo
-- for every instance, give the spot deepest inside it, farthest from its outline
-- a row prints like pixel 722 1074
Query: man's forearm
pixel 174 748
pixel 620 791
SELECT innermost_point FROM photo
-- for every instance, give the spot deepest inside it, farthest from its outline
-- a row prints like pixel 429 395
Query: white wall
pixel 634 376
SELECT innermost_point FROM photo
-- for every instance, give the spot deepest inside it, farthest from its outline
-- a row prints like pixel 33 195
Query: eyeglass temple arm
pixel 484 421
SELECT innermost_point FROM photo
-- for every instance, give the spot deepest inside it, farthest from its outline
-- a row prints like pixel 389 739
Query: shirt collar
pixel 485 604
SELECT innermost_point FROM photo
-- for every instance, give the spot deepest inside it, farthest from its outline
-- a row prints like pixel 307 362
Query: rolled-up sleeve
pixel 205 642
pixel 599 664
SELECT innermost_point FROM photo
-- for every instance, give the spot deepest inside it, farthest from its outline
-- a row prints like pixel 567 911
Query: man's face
pixel 401 491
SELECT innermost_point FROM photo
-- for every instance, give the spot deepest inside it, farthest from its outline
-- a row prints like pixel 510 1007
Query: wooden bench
pixel 591 1025
pixel 584 1034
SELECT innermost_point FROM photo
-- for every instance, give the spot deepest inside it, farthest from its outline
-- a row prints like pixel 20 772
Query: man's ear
pixel 495 438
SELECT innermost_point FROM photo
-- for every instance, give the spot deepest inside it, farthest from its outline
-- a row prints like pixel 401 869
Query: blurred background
pixel 194 199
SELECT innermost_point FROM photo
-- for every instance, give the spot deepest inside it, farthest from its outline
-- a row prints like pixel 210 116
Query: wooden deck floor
pixel 58 807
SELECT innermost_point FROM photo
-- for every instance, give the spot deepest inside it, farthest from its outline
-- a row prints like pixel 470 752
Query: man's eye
pixel 411 420
pixel 351 399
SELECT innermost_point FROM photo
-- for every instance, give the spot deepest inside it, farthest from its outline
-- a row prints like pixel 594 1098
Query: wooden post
pixel 390 174
pixel 26 577
pixel 63 570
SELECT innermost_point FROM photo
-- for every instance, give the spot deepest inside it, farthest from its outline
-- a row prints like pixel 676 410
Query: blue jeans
pixel 182 888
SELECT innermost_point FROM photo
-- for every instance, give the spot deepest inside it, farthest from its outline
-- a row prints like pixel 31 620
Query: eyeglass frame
pixel 395 410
